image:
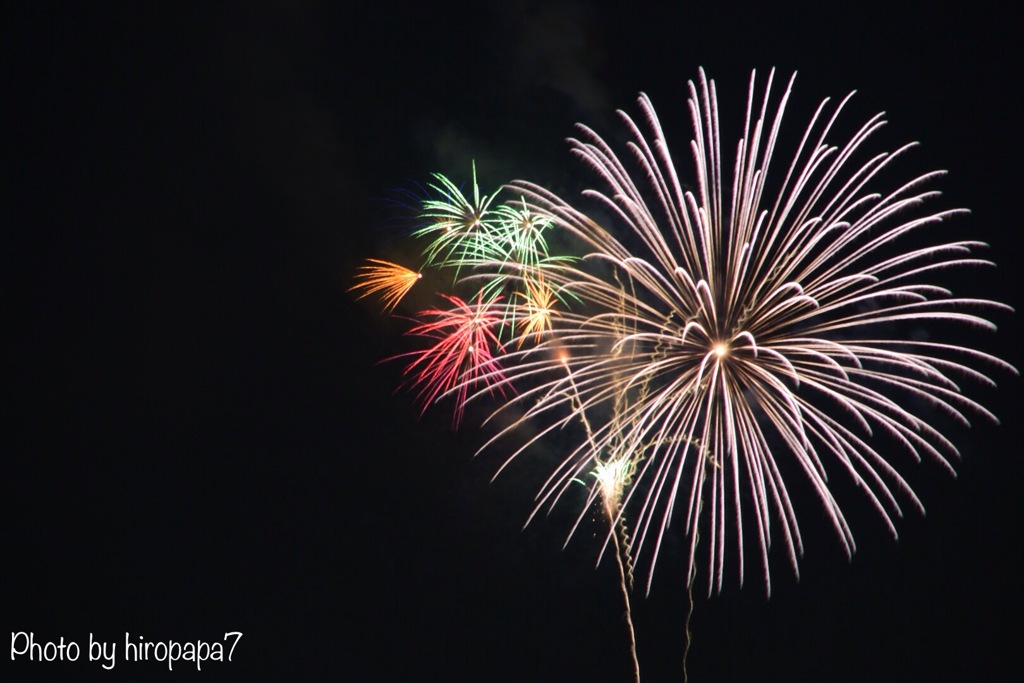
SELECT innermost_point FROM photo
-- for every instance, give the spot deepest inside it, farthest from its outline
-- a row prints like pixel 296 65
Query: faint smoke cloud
pixel 559 47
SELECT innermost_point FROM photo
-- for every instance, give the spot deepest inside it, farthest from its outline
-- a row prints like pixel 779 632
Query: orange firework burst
pixel 536 310
pixel 392 281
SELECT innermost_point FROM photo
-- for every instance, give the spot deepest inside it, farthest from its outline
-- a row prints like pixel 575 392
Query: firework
pixel 390 280
pixel 462 355
pixel 535 311
pixel 459 228
pixel 737 331
pixel 522 232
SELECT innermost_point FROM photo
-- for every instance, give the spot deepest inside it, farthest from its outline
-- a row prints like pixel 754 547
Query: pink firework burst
pixel 462 356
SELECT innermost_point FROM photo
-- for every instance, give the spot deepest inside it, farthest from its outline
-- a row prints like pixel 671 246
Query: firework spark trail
pixel 752 330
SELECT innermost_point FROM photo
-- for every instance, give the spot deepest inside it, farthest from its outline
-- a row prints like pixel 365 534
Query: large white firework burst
pixel 733 336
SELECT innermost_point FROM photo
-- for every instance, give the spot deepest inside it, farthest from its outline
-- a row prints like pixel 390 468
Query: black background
pixel 199 437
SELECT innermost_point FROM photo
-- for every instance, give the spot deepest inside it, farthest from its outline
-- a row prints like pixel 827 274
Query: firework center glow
pixel 612 477
pixel 721 349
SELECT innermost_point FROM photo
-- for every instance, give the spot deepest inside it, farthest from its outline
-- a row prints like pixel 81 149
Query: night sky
pixel 199 435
